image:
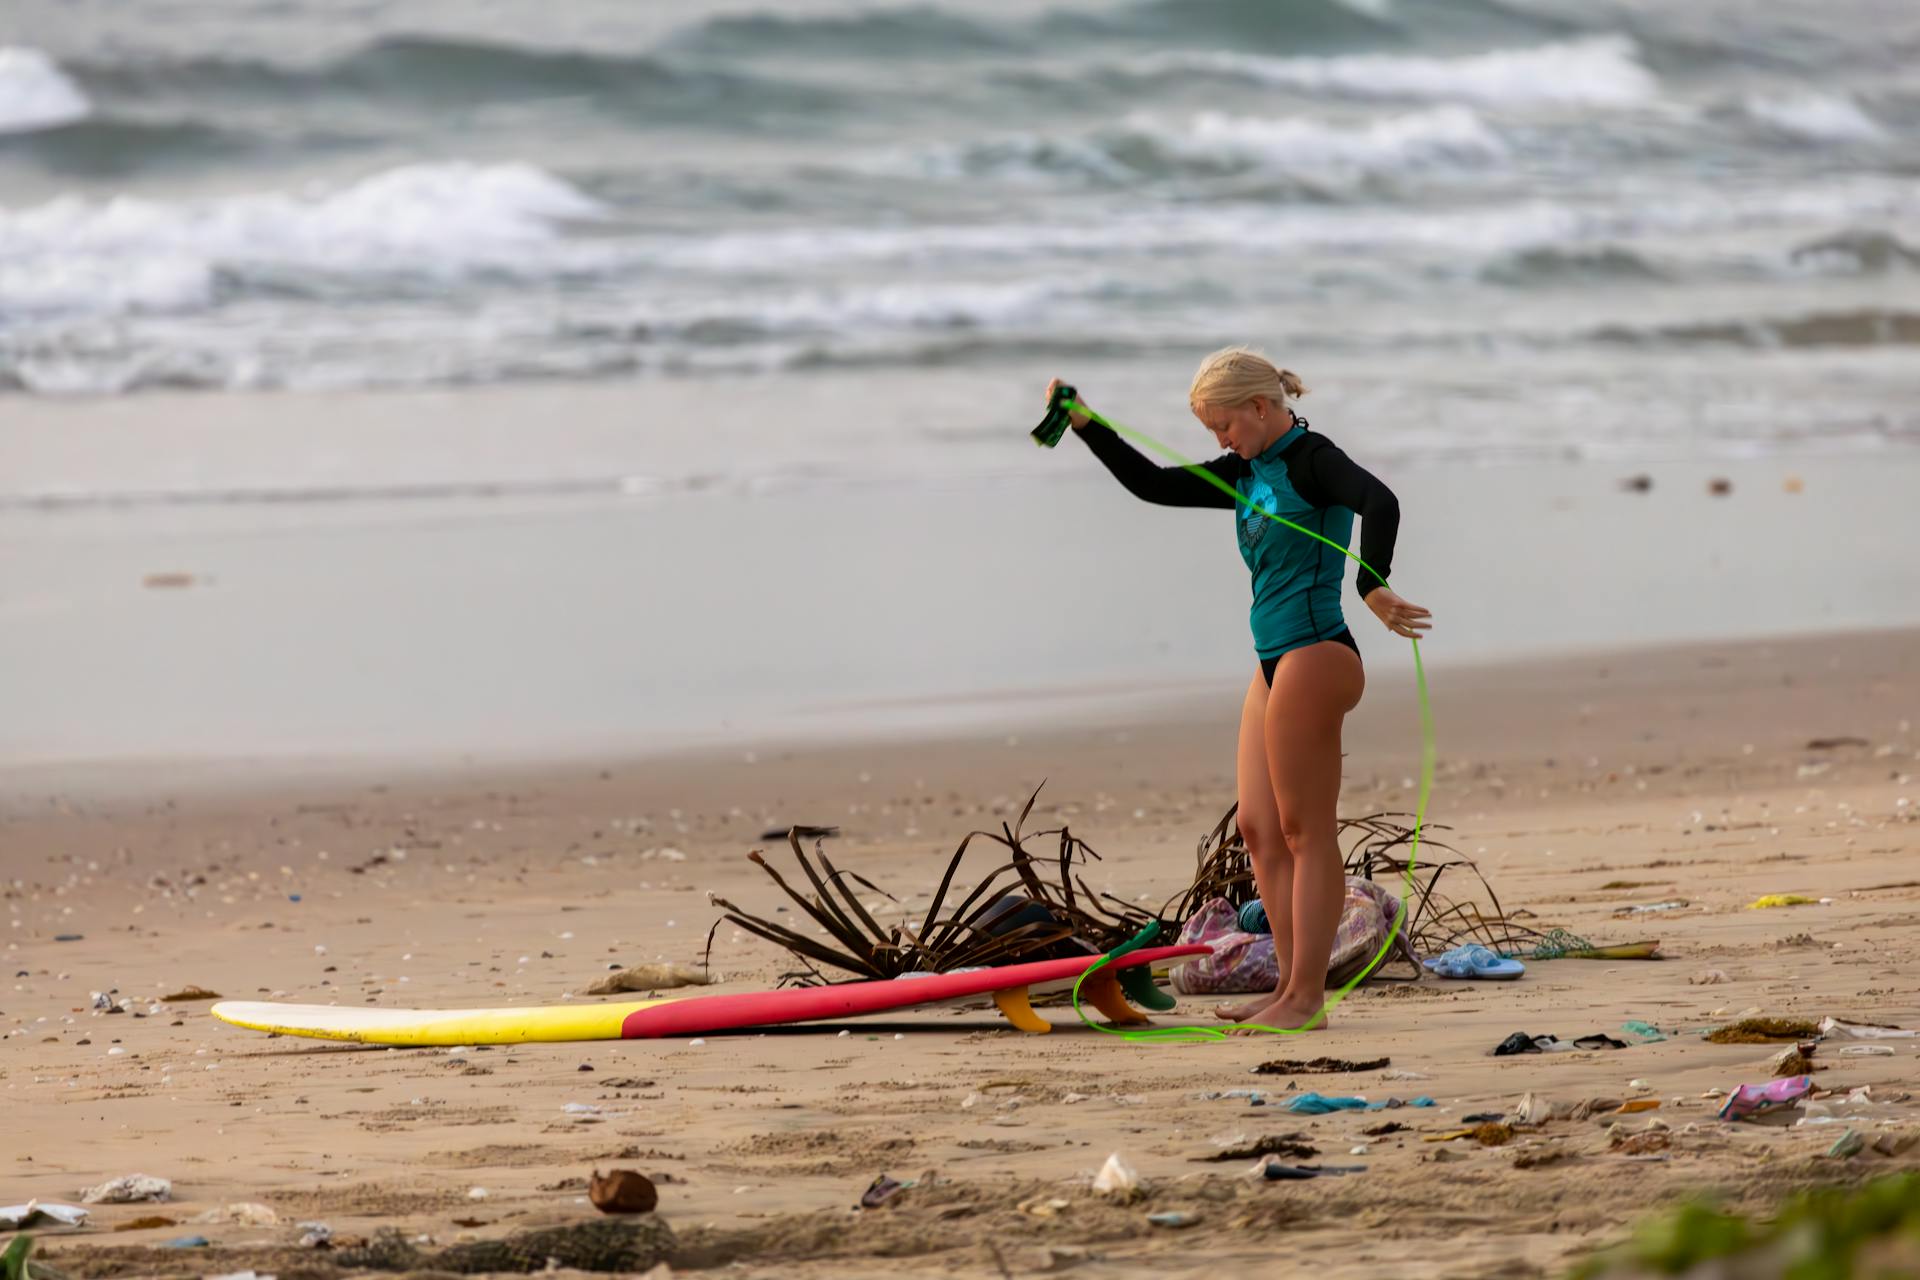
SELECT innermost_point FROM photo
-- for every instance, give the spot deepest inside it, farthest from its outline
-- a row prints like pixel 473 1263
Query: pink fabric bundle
pixel 1245 962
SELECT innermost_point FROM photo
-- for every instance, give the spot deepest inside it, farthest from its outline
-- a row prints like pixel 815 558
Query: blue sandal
pixel 1474 961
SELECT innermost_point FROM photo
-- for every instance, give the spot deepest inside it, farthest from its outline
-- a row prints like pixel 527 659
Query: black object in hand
pixel 1055 424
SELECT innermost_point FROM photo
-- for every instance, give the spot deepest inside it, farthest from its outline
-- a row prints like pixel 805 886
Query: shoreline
pixel 1195 714
pixel 522 630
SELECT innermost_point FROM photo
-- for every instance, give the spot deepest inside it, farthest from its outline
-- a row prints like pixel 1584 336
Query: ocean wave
pixel 448 72
pixel 602 335
pixel 126 254
pixel 1149 148
pixel 1310 24
pixel 1552 267
pixel 1444 135
pixel 879 33
pixel 35 93
pixel 312 494
pixel 1857 252
pixel 1858 327
pixel 103 146
pixel 1816 117
pixel 1483 230
pixel 1597 71
pixel 959 304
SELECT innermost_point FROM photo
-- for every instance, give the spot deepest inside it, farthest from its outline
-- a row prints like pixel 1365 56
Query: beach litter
pixel 1536 1108
pixel 1643 1143
pixel 881 1191
pixel 1275 1171
pixel 1175 1218
pixel 190 992
pixel 1764 1031
pixel 1651 908
pixel 1043 1206
pixel 34 1212
pixel 128 1189
pixel 1709 978
pixel 1492 1134
pixel 1645 1030
pixel 1288 1144
pixel 1748 1101
pixel 243 1214
pixel 1846 1146
pixel 1866 1051
pixel 1769 900
pixel 1521 1042
pixel 624 1191
pixel 1317 1066
pixel 1313 1104
pixel 187 1242
pixel 1840 1029
pixel 650 977
pixel 1117 1178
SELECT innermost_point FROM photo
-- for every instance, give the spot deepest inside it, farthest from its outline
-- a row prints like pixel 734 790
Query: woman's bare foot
pixel 1241 1010
pixel 1284 1015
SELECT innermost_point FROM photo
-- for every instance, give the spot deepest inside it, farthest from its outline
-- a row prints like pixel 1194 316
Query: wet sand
pixel 1683 773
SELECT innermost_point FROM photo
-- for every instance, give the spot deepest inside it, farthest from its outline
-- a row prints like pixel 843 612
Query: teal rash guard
pixel 1302 477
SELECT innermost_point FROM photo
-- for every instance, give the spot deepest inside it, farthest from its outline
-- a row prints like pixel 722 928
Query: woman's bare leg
pixel 1313 689
pixel 1259 822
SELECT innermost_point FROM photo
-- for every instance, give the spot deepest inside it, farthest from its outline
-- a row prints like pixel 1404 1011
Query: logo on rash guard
pixel 1253 517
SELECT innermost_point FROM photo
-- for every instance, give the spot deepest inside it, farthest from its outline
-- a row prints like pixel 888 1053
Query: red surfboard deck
pixel 700 1014
pixel 696 1015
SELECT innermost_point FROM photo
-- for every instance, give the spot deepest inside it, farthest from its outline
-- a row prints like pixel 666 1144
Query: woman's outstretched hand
pixel 1402 618
pixel 1078 420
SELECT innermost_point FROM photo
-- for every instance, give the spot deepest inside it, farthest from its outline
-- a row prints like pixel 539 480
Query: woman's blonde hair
pixel 1233 376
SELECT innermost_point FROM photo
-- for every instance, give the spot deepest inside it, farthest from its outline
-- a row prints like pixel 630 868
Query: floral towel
pixel 1244 961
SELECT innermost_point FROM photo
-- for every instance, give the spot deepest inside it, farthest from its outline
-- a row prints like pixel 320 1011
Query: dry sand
pixel 1686 773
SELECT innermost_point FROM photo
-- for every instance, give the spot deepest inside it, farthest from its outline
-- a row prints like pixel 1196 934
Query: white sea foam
pixel 1295 144
pixel 35 93
pixel 1490 229
pixel 1148 146
pixel 1598 71
pixel 1817 117
pixel 130 254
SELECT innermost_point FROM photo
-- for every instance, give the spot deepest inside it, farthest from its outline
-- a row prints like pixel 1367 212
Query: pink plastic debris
pixel 1749 1100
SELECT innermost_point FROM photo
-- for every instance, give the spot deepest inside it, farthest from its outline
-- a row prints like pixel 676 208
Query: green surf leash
pixel 1065 401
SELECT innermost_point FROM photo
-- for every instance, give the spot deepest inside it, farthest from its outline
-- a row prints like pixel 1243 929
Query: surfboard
pixel 1009 985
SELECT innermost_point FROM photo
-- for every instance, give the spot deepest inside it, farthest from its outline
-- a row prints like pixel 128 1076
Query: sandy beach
pixel 469 487
pixel 1582 786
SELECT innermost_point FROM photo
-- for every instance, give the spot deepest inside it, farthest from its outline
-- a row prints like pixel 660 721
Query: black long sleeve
pixel 1167 486
pixel 1335 480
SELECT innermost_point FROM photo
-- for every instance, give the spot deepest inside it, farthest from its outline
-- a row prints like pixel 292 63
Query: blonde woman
pixel 1310 673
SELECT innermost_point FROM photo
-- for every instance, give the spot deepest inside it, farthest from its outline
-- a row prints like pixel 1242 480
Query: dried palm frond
pixel 944 939
pixel 1078 919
